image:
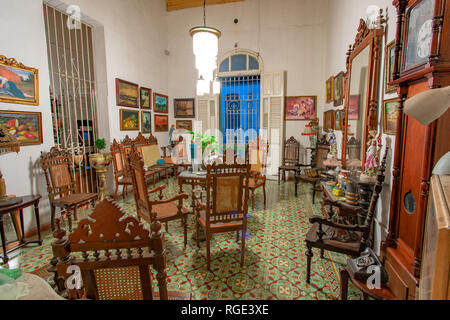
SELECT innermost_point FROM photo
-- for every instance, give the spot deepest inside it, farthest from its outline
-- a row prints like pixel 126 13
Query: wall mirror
pixel 361 93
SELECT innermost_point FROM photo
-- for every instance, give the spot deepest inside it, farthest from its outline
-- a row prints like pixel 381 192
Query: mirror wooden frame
pixel 373 38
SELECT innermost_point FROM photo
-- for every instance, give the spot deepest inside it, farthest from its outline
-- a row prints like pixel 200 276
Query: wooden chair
pixel 61 185
pixel 317 237
pixel 226 204
pixel 291 158
pixel 154 210
pixel 120 174
pixel 257 158
pixel 112 253
pixel 308 173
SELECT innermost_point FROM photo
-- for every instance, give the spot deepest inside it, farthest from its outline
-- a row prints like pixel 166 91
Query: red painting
pixel 353 108
pixel 300 108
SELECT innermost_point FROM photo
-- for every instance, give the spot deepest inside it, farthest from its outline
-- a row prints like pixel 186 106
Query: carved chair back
pixel 112 253
pixel 139 143
pixel 226 192
pixel 291 155
pixel 118 160
pixel 57 166
pixel 258 151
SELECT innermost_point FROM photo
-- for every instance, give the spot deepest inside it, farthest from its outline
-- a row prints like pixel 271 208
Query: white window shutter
pixel 272 116
pixel 207 112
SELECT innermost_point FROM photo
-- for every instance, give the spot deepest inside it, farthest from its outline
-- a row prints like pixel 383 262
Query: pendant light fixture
pixel 205 47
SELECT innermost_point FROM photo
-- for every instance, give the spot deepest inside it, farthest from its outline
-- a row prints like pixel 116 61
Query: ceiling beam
pixel 184 4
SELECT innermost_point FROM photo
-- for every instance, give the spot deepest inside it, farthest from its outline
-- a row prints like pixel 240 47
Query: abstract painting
pixel 127 94
pixel 300 108
pixel 160 103
pixel 129 120
pixel 18 84
pixel 26 127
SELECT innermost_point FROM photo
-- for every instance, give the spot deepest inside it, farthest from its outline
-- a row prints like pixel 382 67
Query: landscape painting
pixel 353 108
pixel 160 103
pixel 146 119
pixel 184 124
pixel 26 127
pixel 184 108
pixel 390 116
pixel 18 84
pixel 129 120
pixel 161 123
pixel 127 94
pixel 339 89
pixel 300 108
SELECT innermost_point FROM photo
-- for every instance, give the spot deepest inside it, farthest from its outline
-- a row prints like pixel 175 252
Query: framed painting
pixel 127 94
pixel 146 98
pixel 328 120
pixel 146 122
pixel 184 124
pixel 26 127
pixel 161 123
pixel 338 119
pixel 389 67
pixel 18 84
pixel 184 108
pixel 300 108
pixel 160 103
pixel 338 87
pixel 129 120
pixel 353 107
pixel 390 108
pixel 329 86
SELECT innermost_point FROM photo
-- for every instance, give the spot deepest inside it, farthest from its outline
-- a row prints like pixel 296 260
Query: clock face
pixel 424 39
pixel 419 33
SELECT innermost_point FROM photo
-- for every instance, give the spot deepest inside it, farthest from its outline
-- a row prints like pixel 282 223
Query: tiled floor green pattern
pixel 275 262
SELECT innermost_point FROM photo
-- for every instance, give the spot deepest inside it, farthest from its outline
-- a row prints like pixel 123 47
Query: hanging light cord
pixel 204 13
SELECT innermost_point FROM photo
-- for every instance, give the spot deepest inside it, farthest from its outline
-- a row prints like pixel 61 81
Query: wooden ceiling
pixel 184 4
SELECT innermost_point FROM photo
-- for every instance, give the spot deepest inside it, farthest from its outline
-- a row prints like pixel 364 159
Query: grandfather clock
pixel 422 62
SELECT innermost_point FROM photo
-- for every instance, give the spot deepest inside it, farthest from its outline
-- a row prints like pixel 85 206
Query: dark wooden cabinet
pixel 417 147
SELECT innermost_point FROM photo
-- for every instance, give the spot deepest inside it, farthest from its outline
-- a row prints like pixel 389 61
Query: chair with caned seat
pixel 109 255
pixel 120 175
pixel 226 206
pixel 291 158
pixel 61 185
pixel 154 210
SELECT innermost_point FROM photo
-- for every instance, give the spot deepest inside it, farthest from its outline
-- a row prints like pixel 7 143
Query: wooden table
pixel 27 201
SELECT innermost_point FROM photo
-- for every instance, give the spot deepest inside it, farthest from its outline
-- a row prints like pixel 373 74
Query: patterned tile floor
pixel 275 261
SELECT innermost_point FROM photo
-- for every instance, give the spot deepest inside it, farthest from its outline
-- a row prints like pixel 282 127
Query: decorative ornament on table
pixel 312 130
pixel 372 157
pixel 331 138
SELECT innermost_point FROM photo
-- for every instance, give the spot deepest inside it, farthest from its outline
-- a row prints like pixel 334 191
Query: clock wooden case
pixel 422 62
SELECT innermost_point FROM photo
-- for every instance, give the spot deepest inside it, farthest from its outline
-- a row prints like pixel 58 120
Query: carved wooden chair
pixel 226 206
pixel 61 185
pixel 155 210
pixel 120 174
pixel 318 237
pixel 291 158
pixel 257 158
pixel 110 253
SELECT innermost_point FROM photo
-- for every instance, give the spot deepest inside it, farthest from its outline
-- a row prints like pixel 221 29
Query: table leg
pixel 344 283
pixel 21 225
pixel 2 235
pixel 38 223
pixel 15 216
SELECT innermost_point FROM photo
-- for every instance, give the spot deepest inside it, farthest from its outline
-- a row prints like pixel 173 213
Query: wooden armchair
pixel 291 158
pixel 61 185
pixel 308 173
pixel 257 158
pixel 120 174
pixel 226 204
pixel 154 210
pixel 317 237
pixel 111 253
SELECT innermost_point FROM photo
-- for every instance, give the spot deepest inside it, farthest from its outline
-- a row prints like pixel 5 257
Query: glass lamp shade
pixel 205 48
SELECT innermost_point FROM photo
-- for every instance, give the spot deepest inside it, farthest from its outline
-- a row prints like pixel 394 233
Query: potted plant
pixel 100 160
pixel 208 142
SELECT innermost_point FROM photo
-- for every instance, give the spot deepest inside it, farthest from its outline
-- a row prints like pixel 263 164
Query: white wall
pixel 289 35
pixel 343 18
pixel 130 39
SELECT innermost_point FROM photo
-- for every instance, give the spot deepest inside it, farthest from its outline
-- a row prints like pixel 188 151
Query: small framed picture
pixel 328 120
pixel 184 124
pixel 127 94
pixel 339 89
pixel 129 120
pixel 329 85
pixel 161 123
pixel 300 108
pixel 146 122
pixel 26 127
pixel 184 108
pixel 146 98
pixel 160 103
pixel 338 120
pixel 18 84
pixel 389 67
pixel 390 108
pixel 353 107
